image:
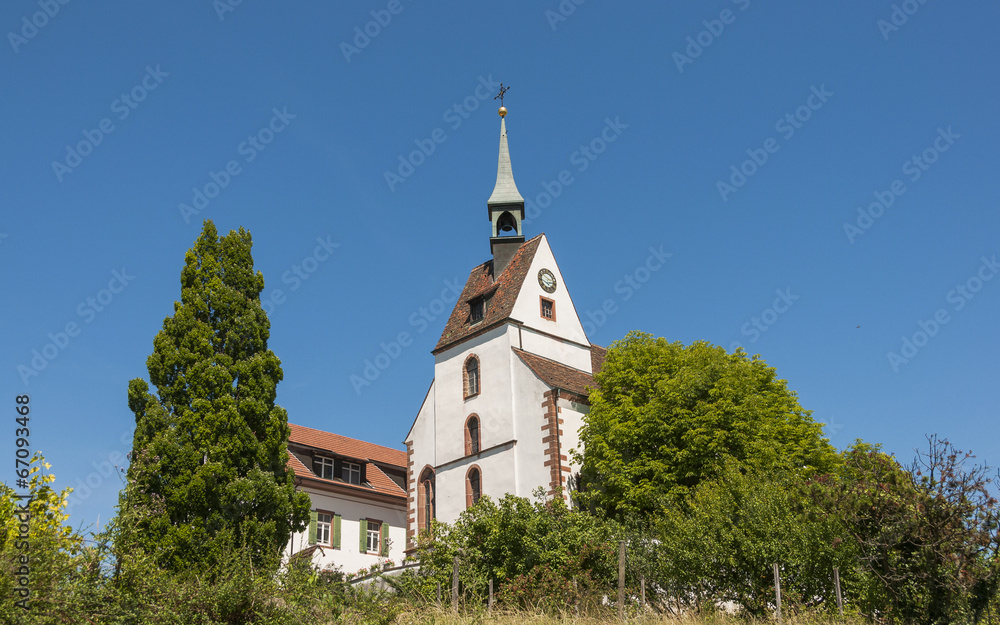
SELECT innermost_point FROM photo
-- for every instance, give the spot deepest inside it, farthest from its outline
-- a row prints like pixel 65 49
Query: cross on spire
pixel 503 90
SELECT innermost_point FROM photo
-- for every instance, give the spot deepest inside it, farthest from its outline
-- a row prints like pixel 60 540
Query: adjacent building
pixel 358 515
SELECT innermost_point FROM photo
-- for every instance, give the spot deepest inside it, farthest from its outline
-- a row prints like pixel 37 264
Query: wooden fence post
pixel 621 579
pixel 454 587
pixel 777 590
pixel 836 586
pixel 576 598
pixel 439 595
pixel 642 591
pixel 489 606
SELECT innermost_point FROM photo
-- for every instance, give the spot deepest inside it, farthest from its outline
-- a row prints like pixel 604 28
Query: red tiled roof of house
pixel 350 448
pixel 557 375
pixel 379 481
pixel 382 482
pixel 503 293
pixel 344 446
pixel 296 465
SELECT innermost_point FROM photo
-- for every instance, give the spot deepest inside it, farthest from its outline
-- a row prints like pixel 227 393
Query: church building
pixel 511 372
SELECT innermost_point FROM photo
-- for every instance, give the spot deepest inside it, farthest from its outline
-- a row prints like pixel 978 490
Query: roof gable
pixel 501 292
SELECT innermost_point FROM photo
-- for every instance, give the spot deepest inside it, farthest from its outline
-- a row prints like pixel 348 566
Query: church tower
pixel 512 371
pixel 506 207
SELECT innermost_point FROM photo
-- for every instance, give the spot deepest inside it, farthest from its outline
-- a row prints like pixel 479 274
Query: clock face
pixel 547 280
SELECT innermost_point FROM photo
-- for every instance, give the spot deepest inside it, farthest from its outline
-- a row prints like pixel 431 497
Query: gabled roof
pixel 558 375
pixel 502 292
pixel 344 446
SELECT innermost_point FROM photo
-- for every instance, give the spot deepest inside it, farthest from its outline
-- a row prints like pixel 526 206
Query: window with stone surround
pixel 473 486
pixel 470 377
pixel 472 430
pixel 425 500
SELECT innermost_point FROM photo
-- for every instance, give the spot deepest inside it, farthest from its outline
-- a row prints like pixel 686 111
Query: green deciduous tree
pixel 208 468
pixel 665 417
pixel 928 534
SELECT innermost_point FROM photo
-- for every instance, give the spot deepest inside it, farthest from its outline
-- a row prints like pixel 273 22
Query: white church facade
pixel 510 389
pixel 511 372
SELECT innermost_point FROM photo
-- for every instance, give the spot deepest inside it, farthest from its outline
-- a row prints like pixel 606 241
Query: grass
pixel 436 616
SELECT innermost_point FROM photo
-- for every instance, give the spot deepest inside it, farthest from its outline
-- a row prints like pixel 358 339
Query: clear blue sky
pixel 308 115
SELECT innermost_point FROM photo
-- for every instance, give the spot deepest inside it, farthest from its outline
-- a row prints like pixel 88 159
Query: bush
pixel 540 555
pixel 721 544
pixel 49 551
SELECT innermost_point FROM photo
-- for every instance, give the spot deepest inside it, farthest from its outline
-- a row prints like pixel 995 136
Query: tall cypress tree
pixel 208 470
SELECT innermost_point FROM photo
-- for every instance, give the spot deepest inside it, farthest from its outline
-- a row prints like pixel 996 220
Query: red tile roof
pixel 558 375
pixel 502 294
pixel 597 356
pixel 369 453
pixel 381 482
pixel 344 446
pixel 296 465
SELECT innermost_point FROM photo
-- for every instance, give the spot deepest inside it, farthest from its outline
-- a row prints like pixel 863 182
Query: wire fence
pixel 633 590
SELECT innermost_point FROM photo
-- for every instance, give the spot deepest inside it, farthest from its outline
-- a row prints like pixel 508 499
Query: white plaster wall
pixel 498 479
pixel 529 417
pixel 348 557
pixel 569 354
pixel 492 404
pixel 421 441
pixel 572 415
pixel 567 324
pixel 509 404
pixel 421 435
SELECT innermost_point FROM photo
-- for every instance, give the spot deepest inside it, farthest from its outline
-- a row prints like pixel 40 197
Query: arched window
pixel 473 486
pixel 472 445
pixel 425 500
pixel 471 375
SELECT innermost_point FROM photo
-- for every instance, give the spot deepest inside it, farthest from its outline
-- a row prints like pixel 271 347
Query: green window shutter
pixel 383 543
pixel 313 517
pixel 363 544
pixel 336 531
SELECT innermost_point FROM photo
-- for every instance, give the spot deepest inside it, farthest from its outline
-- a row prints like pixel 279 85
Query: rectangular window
pixel 324 522
pixel 548 309
pixel 374 533
pixel 323 467
pixel 350 472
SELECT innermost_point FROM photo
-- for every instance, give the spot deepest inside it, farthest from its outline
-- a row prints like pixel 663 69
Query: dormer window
pixel 323 467
pixel 477 309
pixel 350 472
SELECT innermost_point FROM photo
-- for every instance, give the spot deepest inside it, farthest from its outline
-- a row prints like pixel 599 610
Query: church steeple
pixel 506 206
